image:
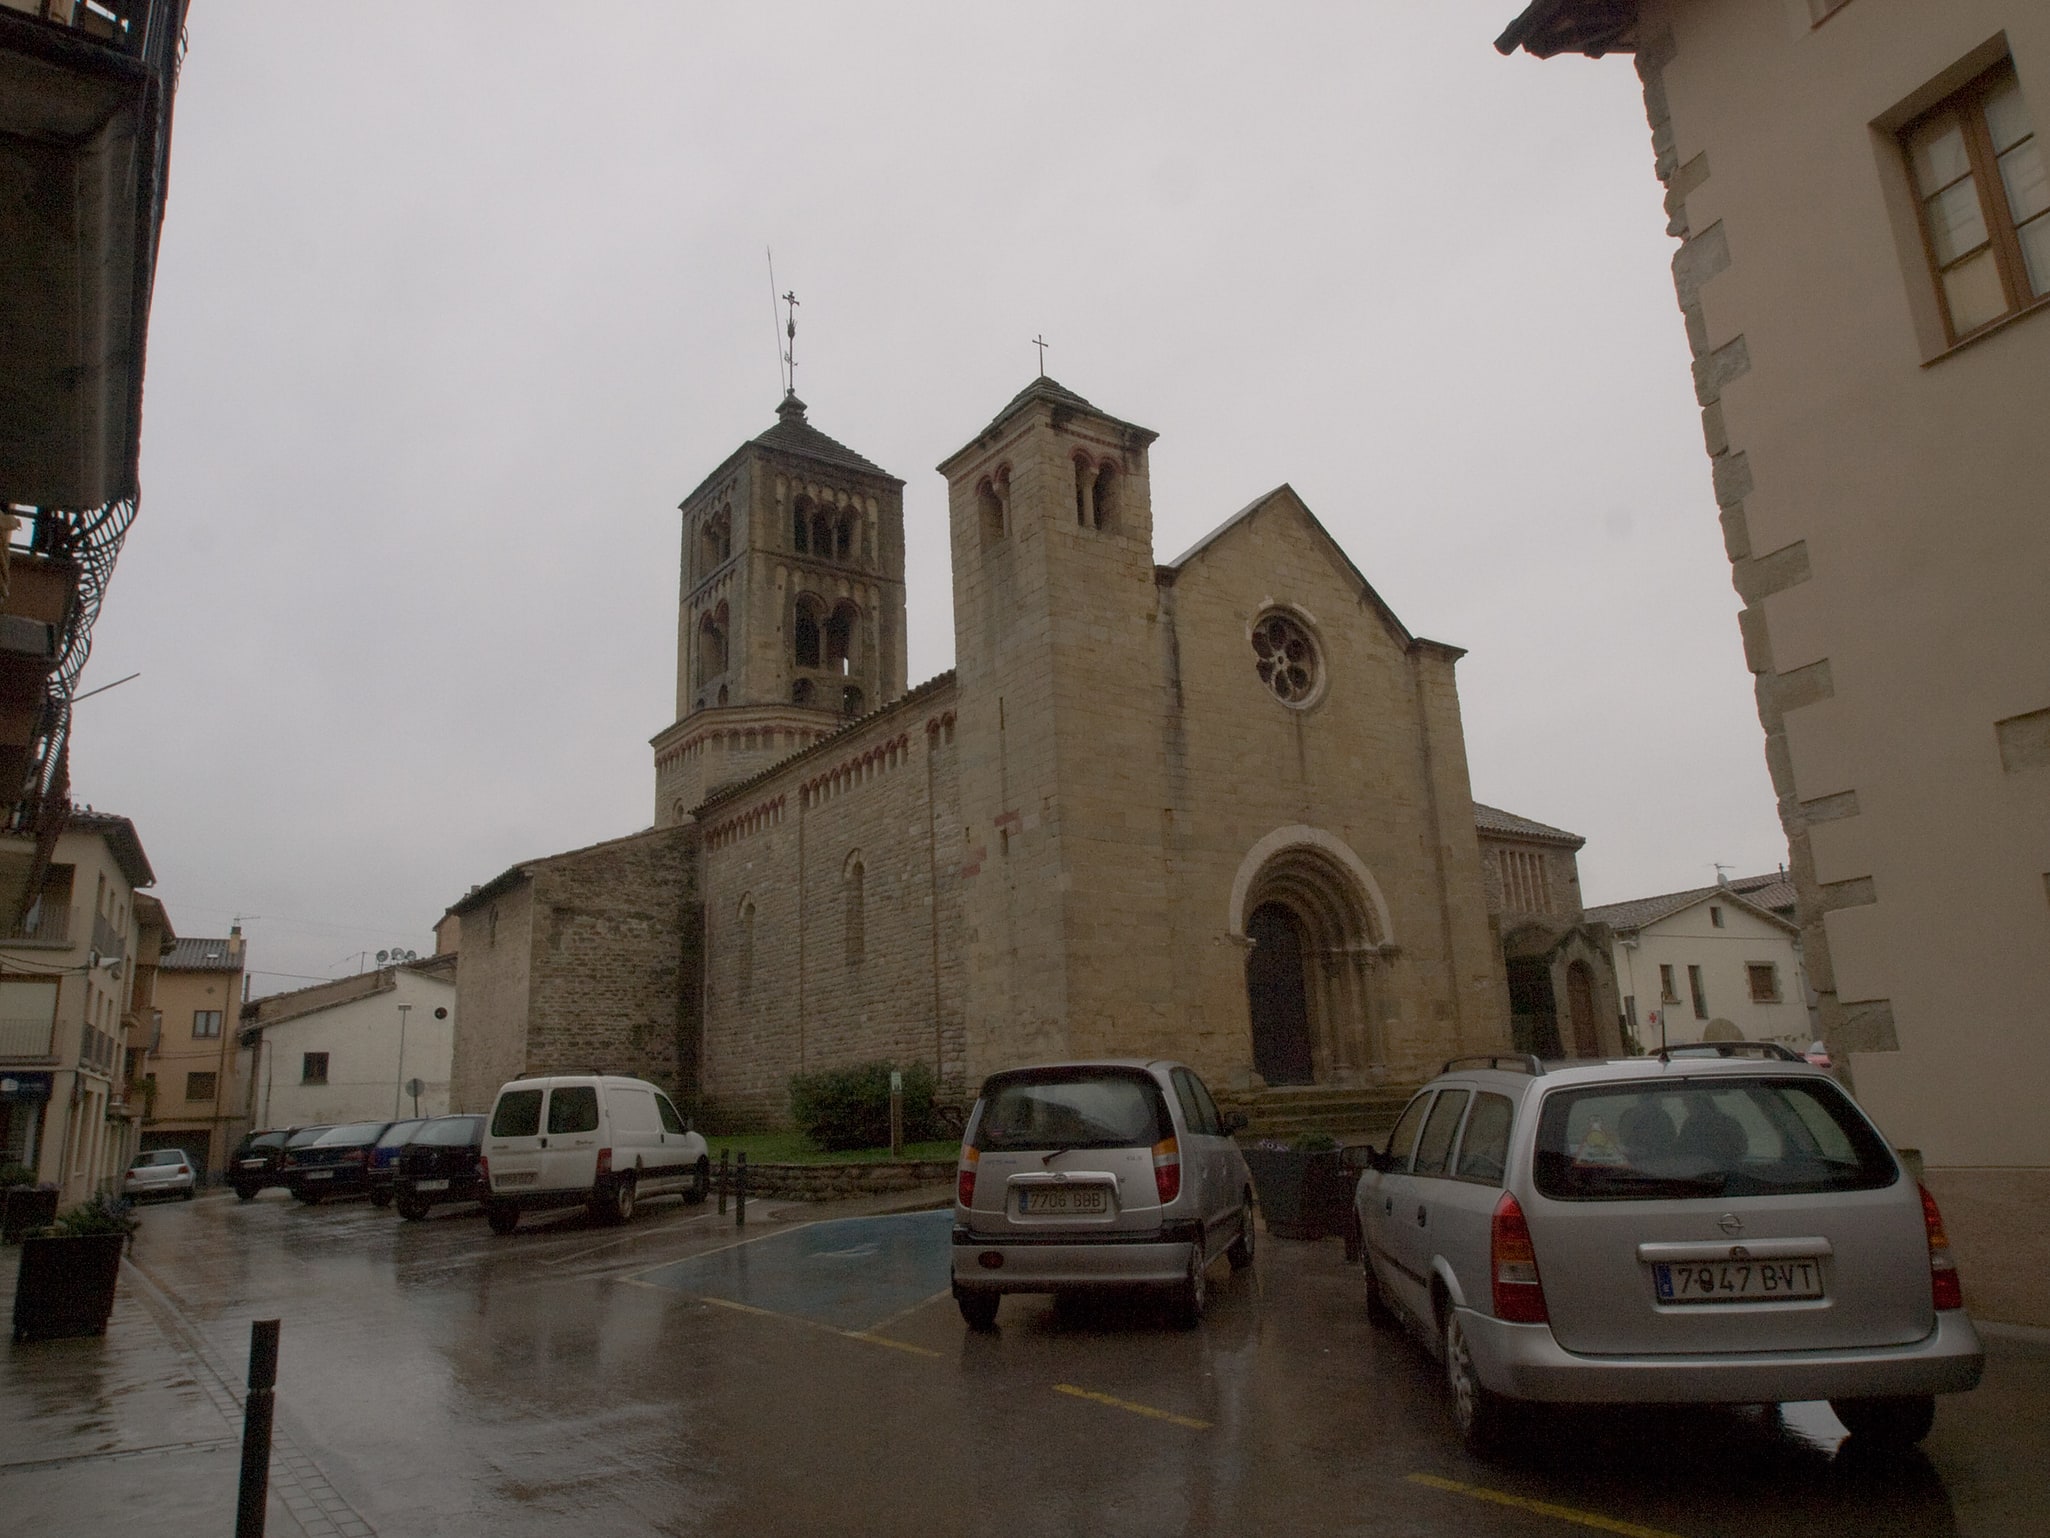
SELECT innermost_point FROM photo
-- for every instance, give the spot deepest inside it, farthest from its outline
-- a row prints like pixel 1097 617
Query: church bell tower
pixel 790 619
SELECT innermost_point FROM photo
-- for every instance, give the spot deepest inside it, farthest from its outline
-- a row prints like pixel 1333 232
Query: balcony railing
pixel 48 925
pixel 30 1037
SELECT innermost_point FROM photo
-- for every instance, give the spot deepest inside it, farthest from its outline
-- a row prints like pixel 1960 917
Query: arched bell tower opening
pixel 1316 934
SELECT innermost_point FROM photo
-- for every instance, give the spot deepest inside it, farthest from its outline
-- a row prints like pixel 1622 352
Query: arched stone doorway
pixel 1316 934
pixel 1580 1007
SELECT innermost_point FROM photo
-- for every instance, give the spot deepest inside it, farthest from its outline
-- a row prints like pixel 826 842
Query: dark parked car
pixel 255 1162
pixel 384 1158
pixel 337 1163
pixel 440 1165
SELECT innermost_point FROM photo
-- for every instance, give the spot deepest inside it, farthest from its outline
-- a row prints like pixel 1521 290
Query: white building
pixel 1717 963
pixel 349 1049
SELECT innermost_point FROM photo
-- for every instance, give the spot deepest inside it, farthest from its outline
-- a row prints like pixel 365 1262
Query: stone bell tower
pixel 790 619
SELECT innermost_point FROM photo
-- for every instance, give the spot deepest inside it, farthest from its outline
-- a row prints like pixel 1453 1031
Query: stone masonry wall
pixel 805 967
pixel 495 956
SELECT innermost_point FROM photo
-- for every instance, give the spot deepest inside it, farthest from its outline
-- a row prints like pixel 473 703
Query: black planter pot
pixel 24 1209
pixel 1304 1193
pixel 66 1285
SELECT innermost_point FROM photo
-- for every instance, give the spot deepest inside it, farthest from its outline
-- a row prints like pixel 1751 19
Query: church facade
pixel 1215 809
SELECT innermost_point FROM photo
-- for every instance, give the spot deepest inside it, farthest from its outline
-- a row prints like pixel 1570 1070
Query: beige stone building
pixel 1216 808
pixel 197 1101
pixel 1563 995
pixel 1860 194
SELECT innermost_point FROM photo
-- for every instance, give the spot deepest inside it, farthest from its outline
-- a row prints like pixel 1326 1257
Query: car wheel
pixel 381 1197
pixel 246 1193
pixel 190 1193
pixel 701 1181
pixel 1900 1422
pixel 1192 1294
pixel 311 1198
pixel 1483 1416
pixel 615 1205
pixel 979 1309
pixel 411 1208
pixel 503 1219
pixel 1241 1252
pixel 1379 1311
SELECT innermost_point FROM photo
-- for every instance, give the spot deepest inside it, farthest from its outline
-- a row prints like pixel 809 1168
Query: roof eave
pixel 1593 28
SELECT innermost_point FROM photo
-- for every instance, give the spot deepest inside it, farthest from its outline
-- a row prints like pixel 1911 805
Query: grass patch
pixel 796 1148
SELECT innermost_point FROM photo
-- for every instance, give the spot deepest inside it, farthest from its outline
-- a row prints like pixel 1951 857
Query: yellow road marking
pixel 1137 1409
pixel 1542 1508
pixel 865 1336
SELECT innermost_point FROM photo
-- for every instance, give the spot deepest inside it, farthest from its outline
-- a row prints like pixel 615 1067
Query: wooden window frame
pixel 306 1062
pixel 1697 987
pixel 1772 971
pixel 1967 106
pixel 202 1079
pixel 201 1020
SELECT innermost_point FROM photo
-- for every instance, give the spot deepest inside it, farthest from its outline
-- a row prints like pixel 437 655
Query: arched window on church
pixel 715 541
pixel 712 645
pixel 801 692
pixel 744 963
pixel 989 508
pixel 800 526
pixel 843 537
pixel 1081 492
pixel 805 626
pixel 821 534
pixel 854 879
pixel 850 701
pixel 1103 499
pixel 840 634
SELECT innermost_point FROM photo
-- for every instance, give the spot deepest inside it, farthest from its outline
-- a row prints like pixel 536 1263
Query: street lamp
pixel 399 1089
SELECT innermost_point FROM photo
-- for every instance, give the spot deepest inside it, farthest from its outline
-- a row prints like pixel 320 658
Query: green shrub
pixel 100 1215
pixel 1315 1142
pixel 841 1108
pixel 16 1175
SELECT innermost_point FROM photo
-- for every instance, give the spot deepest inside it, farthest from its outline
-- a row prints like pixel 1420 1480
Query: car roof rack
pixel 1772 1049
pixel 1523 1062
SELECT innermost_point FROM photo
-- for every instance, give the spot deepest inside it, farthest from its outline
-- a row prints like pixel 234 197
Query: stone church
pixel 1215 808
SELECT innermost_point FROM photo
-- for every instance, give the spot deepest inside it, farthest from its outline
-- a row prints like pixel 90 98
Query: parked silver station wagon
pixel 1080 1176
pixel 1717 1225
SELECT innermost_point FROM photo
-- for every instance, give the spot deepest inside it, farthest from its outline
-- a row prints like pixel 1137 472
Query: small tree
pixel 840 1108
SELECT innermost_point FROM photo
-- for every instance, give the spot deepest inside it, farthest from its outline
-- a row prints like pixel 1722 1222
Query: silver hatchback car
pixel 1087 1175
pixel 1716 1225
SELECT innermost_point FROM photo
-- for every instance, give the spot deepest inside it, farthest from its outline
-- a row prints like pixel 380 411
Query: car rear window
pixel 1709 1138
pixel 307 1135
pixel 398 1134
pixel 518 1114
pixel 1072 1110
pixel 354 1132
pixel 160 1156
pixel 450 1132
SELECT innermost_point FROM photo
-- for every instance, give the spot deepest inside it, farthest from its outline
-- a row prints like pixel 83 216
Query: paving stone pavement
pixel 153 1418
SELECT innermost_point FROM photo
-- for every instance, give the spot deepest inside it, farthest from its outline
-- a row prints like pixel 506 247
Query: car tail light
pixel 1167 1169
pixel 484 1171
pixel 1946 1288
pixel 604 1161
pixel 1512 1261
pixel 355 1155
pixel 964 1176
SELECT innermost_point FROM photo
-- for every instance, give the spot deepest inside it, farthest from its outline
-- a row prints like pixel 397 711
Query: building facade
pixel 1870 320
pixel 1215 808
pixel 1563 998
pixel 198 1098
pixel 352 1049
pixel 1708 965
pixel 72 1007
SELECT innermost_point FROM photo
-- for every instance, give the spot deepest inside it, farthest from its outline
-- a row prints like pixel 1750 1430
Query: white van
pixel 593 1140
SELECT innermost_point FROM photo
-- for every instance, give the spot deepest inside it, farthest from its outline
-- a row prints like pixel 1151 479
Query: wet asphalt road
pixel 680 1377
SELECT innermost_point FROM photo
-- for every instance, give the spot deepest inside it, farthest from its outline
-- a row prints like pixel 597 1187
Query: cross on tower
pixel 1041 343
pixel 790 331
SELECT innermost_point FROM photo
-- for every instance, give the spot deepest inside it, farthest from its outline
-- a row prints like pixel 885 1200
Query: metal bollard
pixel 740 1194
pixel 725 1177
pixel 256 1420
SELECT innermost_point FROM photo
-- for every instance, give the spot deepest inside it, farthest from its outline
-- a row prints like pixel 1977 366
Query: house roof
pixel 203 955
pixel 794 435
pixel 1054 393
pixel 1592 27
pixel 513 875
pixel 1492 819
pixel 1625 917
pixel 120 837
pixel 275 1008
pixel 1774 890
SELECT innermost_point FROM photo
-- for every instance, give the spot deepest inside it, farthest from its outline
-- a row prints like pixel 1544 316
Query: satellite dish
pixel 382 956
pixel 412 955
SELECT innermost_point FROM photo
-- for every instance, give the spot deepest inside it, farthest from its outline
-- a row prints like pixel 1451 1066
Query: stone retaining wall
pixel 832 1182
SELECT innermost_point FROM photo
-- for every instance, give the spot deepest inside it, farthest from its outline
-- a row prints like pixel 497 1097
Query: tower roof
pixel 1055 393
pixel 793 435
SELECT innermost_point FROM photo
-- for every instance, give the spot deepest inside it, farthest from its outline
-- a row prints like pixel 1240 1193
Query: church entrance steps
pixel 1348 1113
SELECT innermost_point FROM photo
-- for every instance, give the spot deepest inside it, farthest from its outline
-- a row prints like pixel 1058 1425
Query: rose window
pixel 1287 659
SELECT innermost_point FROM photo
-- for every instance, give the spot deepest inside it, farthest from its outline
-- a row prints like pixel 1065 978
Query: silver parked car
pixel 160 1172
pixel 1087 1175
pixel 1713 1225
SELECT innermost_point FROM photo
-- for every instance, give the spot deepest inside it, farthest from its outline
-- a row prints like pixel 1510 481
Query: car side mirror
pixel 1359 1156
pixel 1235 1122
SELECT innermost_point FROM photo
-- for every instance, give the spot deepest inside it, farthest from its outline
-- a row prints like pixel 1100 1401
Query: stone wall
pixel 494 948
pixel 832 914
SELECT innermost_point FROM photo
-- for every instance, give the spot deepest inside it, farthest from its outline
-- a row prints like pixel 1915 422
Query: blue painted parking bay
pixel 848 1273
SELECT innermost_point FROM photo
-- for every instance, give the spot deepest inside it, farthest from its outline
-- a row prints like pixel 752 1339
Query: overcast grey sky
pixel 455 303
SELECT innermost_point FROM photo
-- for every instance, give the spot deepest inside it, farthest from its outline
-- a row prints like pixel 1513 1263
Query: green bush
pixel 16 1175
pixel 842 1108
pixel 100 1215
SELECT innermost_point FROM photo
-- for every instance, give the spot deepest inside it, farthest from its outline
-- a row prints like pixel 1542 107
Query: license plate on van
pixel 1738 1281
pixel 1064 1200
pixel 514 1178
